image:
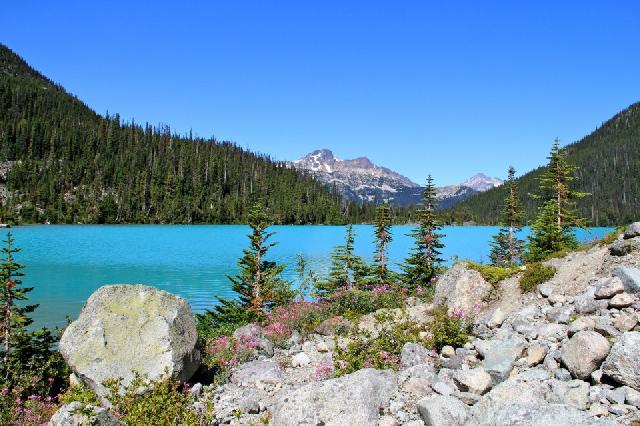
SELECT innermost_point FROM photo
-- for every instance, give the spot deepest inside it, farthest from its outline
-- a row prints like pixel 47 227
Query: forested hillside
pixel 62 162
pixel 609 169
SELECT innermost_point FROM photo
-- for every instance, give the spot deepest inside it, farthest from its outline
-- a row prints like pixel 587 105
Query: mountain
pixel 361 180
pixel 64 163
pixel 609 169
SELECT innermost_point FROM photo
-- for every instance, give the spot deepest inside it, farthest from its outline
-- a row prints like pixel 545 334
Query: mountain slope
pixel 62 162
pixel 609 169
pixel 361 180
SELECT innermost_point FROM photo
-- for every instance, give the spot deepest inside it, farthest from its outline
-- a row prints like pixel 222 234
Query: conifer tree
pixel 552 230
pixel 383 237
pixel 424 263
pixel 506 248
pixel 27 359
pixel 259 283
pixel 14 318
pixel 347 268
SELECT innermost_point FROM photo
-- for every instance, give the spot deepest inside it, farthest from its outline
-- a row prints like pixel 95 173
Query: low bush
pixel 382 352
pixel 224 352
pixel 166 402
pixel 534 275
pixel 449 330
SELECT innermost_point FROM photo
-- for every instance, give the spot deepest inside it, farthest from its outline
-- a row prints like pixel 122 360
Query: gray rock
pixel 414 354
pixel 632 396
pixel 630 278
pixel 439 410
pixel 354 399
pixel 500 355
pixel 586 303
pixel 632 231
pixel 448 351
pixel 475 380
pixel 534 414
pixel 255 333
pixel 460 288
pixel 262 371
pixel 604 327
pixel 124 329
pixel 535 354
pixel 562 374
pixel 442 388
pixel 623 362
pixel 622 300
pixel 76 414
pixel 609 287
pixel 581 324
pixel 573 392
pixel 552 332
pixel 300 360
pixel 624 247
pixel 618 395
pixel 625 322
pixel 560 314
pixel 249 406
pixel 584 352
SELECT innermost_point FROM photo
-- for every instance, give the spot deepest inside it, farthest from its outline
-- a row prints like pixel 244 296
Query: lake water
pixel 66 263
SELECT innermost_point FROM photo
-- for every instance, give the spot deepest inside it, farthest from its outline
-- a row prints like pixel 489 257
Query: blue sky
pixel 420 87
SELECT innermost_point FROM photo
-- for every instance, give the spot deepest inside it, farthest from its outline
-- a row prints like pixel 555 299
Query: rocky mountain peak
pixel 481 182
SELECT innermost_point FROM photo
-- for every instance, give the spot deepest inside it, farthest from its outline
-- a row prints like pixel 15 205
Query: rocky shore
pixel 567 353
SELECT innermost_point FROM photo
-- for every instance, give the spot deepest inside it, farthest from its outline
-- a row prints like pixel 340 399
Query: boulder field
pixel 567 353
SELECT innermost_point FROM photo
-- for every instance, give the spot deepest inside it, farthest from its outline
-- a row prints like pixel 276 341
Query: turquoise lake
pixel 66 263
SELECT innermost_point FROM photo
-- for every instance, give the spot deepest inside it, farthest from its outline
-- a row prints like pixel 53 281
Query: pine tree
pixel 259 283
pixel 424 263
pixel 506 248
pixel 552 230
pixel 347 268
pixel 383 237
pixel 27 356
pixel 14 317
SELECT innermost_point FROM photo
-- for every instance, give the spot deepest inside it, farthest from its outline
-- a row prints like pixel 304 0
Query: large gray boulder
pixel 623 362
pixel 124 329
pixel 440 410
pixel 78 414
pixel 354 399
pixel 460 288
pixel 584 353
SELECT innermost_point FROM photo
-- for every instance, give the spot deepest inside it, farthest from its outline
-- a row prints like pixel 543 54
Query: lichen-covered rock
pixel 440 410
pixel 124 329
pixel 460 288
pixel 584 353
pixel 354 399
pixel 609 287
pixel 623 362
pixel 78 414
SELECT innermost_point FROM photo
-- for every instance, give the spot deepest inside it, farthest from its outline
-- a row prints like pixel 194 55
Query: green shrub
pixel 382 352
pixel 166 402
pixel 79 393
pixel 534 275
pixel 449 330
